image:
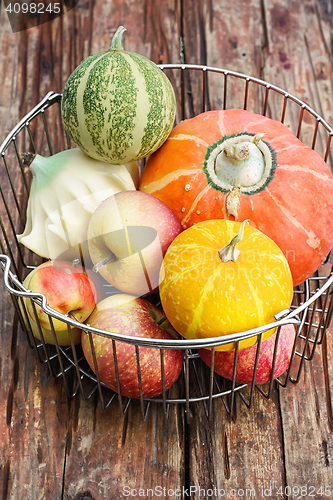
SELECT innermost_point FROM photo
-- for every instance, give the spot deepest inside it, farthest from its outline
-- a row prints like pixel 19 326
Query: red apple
pixel 128 235
pixel 67 290
pixel 99 283
pixel 135 316
pixel 224 360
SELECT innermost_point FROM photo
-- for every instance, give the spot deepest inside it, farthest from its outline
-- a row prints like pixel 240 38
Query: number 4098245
pixel 305 491
pixel 33 8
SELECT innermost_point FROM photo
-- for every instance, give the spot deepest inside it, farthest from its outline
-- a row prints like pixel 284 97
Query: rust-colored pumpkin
pixel 284 188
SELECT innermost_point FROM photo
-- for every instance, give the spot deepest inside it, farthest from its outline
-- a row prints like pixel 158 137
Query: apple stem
pixel 162 320
pixel 230 252
pixel 103 262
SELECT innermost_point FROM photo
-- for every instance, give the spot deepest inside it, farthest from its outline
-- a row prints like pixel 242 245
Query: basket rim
pixel 288 316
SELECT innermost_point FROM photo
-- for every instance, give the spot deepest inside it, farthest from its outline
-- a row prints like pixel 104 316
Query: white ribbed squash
pixel 66 189
pixel 118 106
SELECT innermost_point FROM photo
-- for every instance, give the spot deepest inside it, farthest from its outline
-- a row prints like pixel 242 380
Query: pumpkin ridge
pixel 221 123
pixel 312 241
pixel 177 276
pixel 275 280
pixel 292 168
pixel 257 301
pixel 186 245
pixel 255 123
pixel 208 235
pixel 263 250
pixel 194 204
pixel 285 148
pixel 187 137
pixel 168 178
pixel 208 287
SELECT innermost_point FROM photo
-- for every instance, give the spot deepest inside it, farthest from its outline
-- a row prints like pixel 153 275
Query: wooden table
pixel 53 448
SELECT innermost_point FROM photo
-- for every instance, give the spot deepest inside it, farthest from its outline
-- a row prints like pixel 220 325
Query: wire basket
pixel 41 131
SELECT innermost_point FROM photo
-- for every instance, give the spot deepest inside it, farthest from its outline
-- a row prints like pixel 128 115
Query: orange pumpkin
pixel 237 165
pixel 221 277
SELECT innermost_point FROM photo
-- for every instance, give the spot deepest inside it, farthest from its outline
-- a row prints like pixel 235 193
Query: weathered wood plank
pixel 109 456
pixel 36 426
pixel 239 454
pixel 307 427
pixel 76 447
pixel 231 37
pixel 298 61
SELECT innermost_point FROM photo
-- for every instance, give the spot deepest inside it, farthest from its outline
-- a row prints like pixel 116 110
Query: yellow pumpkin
pixel 221 277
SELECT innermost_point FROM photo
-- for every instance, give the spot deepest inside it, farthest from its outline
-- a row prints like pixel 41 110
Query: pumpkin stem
pixel 116 40
pixel 237 152
pixel 230 252
pixel 241 151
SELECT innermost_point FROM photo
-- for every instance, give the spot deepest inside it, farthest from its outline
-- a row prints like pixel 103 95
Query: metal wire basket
pixel 311 312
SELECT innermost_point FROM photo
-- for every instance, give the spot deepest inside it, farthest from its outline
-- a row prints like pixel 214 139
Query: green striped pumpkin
pixel 118 106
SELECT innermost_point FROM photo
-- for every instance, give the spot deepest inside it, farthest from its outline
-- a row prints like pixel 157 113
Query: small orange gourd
pixel 221 277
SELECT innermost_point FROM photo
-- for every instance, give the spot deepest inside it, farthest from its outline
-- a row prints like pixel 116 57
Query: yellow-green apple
pixel 128 235
pixel 224 360
pixel 134 316
pixel 67 290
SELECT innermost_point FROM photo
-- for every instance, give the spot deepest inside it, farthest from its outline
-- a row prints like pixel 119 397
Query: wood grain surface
pixel 55 448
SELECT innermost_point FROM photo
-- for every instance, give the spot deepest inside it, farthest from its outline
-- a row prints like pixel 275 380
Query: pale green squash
pixel 118 106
